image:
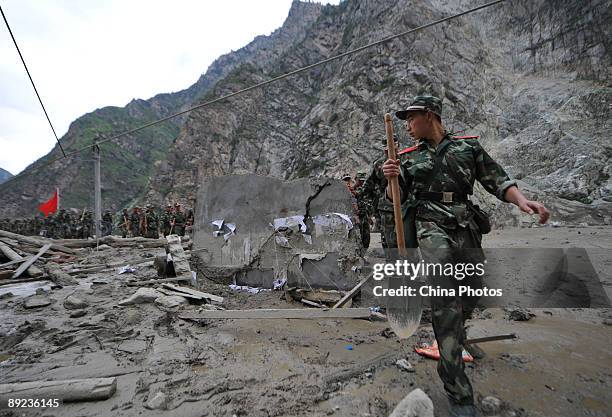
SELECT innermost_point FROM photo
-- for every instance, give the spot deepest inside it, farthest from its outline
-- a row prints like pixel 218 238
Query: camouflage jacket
pixel 151 221
pixel 373 188
pixel 468 160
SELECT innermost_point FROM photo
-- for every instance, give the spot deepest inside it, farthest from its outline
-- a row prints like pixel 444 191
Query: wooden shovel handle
pixel 395 191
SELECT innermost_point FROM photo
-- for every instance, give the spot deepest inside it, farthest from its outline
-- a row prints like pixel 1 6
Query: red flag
pixel 51 205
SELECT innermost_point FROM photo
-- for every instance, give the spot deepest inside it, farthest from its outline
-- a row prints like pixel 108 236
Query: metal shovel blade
pixel 404 311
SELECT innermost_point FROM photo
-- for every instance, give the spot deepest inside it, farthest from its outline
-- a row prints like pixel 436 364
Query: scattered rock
pixel 405 365
pixel 143 295
pixel 171 301
pixel 415 404
pixel 77 313
pixel 60 277
pixel 210 307
pixel 132 317
pixel 6 295
pixel 40 291
pixel 387 333
pixel 158 402
pixel 519 314
pixel 607 322
pixel 37 301
pixel 490 405
pixel 104 247
pixel 74 303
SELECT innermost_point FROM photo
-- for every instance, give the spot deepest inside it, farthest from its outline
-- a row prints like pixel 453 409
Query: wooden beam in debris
pixel 349 295
pixel 37 242
pixel 156 281
pixel 21 280
pixel 289 313
pixel 91 389
pixel 196 293
pixel 116 241
pixel 16 261
pixel 33 271
pixel 30 261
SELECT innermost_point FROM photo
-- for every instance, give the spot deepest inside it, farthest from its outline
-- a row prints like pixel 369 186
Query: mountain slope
pixel 4 175
pixel 128 163
pixel 498 72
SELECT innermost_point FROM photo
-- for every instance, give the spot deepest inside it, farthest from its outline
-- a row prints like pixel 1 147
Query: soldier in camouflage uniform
pixel 165 220
pixel 151 223
pixel 372 193
pixel 124 223
pixel 178 220
pixel 362 207
pixel 135 222
pixel 87 224
pixel 189 222
pixel 444 224
pixel 107 223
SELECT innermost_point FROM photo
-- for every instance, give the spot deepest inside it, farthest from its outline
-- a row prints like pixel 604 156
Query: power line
pixel 272 80
pixel 32 81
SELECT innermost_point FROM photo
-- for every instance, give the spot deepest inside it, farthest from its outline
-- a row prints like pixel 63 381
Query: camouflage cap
pixel 361 175
pixel 420 104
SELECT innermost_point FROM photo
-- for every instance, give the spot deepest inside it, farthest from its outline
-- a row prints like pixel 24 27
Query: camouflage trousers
pixel 449 314
pixel 387 229
pixel 364 230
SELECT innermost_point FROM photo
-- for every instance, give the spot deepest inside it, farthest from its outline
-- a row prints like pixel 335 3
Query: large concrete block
pixel 260 229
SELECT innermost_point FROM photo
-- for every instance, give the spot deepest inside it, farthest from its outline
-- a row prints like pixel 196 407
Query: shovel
pixel 403 312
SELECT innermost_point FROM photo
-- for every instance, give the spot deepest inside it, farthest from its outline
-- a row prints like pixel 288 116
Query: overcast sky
pixel 84 55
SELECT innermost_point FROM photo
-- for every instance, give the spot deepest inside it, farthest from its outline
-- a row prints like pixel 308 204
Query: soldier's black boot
pixel 458 410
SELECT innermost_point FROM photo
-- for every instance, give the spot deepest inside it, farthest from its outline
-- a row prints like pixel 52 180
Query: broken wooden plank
pixel 22 268
pixel 16 261
pixel 206 295
pixel 36 242
pixel 156 281
pixel 33 271
pixel 6 274
pixel 182 294
pixel 351 293
pixel 92 389
pixel 312 303
pixel 22 280
pixel 289 313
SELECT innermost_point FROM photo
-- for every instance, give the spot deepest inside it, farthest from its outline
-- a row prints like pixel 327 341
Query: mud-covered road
pixel 560 364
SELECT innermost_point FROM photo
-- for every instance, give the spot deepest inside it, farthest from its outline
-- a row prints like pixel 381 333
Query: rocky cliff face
pixel 4 175
pixel 532 78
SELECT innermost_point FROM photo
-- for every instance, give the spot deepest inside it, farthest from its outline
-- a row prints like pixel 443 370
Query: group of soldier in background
pixel 151 223
pixel 372 209
pixel 72 224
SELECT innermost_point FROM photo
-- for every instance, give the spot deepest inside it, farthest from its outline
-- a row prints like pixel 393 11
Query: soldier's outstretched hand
pixel 532 207
pixel 391 168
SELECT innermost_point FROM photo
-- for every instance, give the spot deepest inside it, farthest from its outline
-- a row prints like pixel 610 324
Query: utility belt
pixel 481 217
pixel 446 197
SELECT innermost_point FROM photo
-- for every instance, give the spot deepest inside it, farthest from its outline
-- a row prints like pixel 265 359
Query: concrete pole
pixel 97 192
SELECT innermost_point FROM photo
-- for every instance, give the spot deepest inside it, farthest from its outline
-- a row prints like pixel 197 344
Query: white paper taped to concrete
pixel 289 222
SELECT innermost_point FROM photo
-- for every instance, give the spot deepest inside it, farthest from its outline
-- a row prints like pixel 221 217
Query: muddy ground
pixel 560 365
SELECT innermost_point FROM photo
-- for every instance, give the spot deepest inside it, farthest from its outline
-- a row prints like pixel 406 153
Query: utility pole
pixel 97 192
